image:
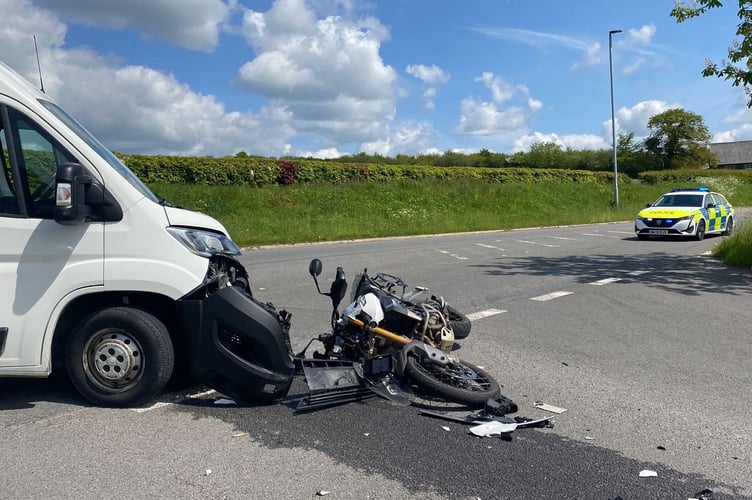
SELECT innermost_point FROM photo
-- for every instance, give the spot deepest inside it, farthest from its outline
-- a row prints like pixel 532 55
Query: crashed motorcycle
pixel 434 311
pixel 387 345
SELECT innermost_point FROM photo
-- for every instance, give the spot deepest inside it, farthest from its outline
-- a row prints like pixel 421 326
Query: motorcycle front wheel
pixel 460 323
pixel 463 383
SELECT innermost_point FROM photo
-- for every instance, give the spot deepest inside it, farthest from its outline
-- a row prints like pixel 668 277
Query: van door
pixel 42 263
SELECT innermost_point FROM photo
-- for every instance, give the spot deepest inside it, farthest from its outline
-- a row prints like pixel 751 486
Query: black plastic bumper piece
pixel 238 346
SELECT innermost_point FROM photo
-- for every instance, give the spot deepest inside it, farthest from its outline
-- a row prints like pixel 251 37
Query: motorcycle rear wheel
pixel 465 384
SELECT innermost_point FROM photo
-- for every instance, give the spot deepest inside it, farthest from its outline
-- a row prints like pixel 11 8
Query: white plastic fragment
pixel 445 428
pixel 239 434
pixel 322 493
pixel 225 401
pixel 492 428
pixel 547 407
pixel 366 434
pixel 207 472
pixel 589 438
pixel 648 473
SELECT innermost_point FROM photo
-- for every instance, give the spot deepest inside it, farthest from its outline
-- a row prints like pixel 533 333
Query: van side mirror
pixel 70 194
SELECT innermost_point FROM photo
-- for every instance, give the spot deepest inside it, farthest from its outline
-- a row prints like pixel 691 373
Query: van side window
pixel 38 156
pixel 8 201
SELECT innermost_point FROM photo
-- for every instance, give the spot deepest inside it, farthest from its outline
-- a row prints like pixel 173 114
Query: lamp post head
pixel 613 32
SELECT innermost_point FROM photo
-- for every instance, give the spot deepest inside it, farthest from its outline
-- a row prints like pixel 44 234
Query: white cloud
pixel 133 109
pixel 482 118
pixel 327 73
pixel 405 138
pixel 591 58
pixel 192 24
pixel 641 36
pixel 323 154
pixel 635 119
pixel 573 141
pixel 428 74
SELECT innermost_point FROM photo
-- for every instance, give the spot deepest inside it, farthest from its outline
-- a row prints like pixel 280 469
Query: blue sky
pixel 330 77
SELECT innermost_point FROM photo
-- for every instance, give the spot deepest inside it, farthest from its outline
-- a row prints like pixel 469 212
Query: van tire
pixel 120 357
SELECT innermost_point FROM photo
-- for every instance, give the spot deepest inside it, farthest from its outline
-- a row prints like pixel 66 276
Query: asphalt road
pixel 646 344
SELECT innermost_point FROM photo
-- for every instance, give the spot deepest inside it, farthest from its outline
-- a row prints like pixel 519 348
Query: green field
pixel 310 212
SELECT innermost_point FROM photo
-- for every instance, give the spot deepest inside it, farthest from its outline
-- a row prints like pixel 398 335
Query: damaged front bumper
pixel 236 344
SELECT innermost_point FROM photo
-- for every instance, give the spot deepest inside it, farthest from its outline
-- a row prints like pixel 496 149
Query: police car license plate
pixel 659 231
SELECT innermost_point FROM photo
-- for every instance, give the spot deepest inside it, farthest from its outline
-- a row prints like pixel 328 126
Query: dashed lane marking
pixel 537 243
pixel 485 314
pixel 445 252
pixel 551 296
pixel 605 281
pixel 562 238
pixel 491 246
pixel 599 235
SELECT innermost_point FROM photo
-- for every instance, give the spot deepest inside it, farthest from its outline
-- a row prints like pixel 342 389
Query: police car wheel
pixel 729 227
pixel 700 234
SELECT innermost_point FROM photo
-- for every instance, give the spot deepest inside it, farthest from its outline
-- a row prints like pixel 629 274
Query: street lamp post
pixel 613 122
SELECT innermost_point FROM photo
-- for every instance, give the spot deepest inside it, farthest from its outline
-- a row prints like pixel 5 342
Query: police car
pixel 692 212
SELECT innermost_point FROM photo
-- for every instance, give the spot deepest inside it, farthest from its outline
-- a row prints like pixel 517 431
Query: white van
pixel 101 277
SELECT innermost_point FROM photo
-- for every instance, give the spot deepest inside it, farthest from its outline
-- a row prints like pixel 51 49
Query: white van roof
pixel 19 88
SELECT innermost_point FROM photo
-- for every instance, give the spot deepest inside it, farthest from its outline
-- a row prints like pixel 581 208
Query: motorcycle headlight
pixel 204 243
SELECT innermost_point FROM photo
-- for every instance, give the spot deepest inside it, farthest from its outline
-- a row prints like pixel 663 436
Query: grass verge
pixel 309 213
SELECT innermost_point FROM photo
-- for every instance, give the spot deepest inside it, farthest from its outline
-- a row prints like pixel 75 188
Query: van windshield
pixel 97 146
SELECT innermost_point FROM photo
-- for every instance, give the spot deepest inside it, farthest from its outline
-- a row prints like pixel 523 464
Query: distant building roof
pixel 738 153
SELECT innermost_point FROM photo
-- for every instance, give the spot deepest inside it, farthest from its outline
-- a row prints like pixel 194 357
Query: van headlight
pixel 204 243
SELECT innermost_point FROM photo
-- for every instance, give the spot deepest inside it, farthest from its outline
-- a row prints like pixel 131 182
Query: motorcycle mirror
pixel 338 288
pixel 314 268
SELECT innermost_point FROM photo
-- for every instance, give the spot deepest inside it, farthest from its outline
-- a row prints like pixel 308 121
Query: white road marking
pixel 599 235
pixel 622 232
pixel 485 314
pixel 491 246
pixel 561 238
pixel 537 243
pixel 452 254
pixel 550 296
pixel 605 281
pixel 637 273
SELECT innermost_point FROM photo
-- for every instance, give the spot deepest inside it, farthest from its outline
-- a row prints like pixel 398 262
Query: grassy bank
pixel 307 213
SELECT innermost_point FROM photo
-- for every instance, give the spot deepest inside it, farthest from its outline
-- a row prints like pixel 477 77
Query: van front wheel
pixel 120 356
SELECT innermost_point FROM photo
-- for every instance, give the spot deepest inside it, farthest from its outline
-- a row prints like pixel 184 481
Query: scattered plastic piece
pixel 207 472
pixel 239 434
pixel 705 494
pixel 492 428
pixel 662 448
pixel 445 428
pixel 225 401
pixel 366 434
pixel 648 473
pixel 548 407
pixel 589 438
pixel 322 493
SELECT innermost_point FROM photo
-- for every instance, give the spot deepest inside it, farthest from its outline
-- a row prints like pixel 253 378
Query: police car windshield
pixel 680 200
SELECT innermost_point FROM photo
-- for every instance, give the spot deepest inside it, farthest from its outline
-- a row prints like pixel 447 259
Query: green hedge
pixel 690 178
pixel 259 172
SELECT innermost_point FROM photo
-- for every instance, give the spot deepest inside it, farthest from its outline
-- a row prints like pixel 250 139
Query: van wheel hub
pixel 113 360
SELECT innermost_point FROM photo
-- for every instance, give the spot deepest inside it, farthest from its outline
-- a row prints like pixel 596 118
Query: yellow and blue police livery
pixel 692 212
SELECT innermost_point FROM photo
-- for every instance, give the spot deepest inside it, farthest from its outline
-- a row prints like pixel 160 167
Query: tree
pixel 738 67
pixel 680 138
pixel 544 155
